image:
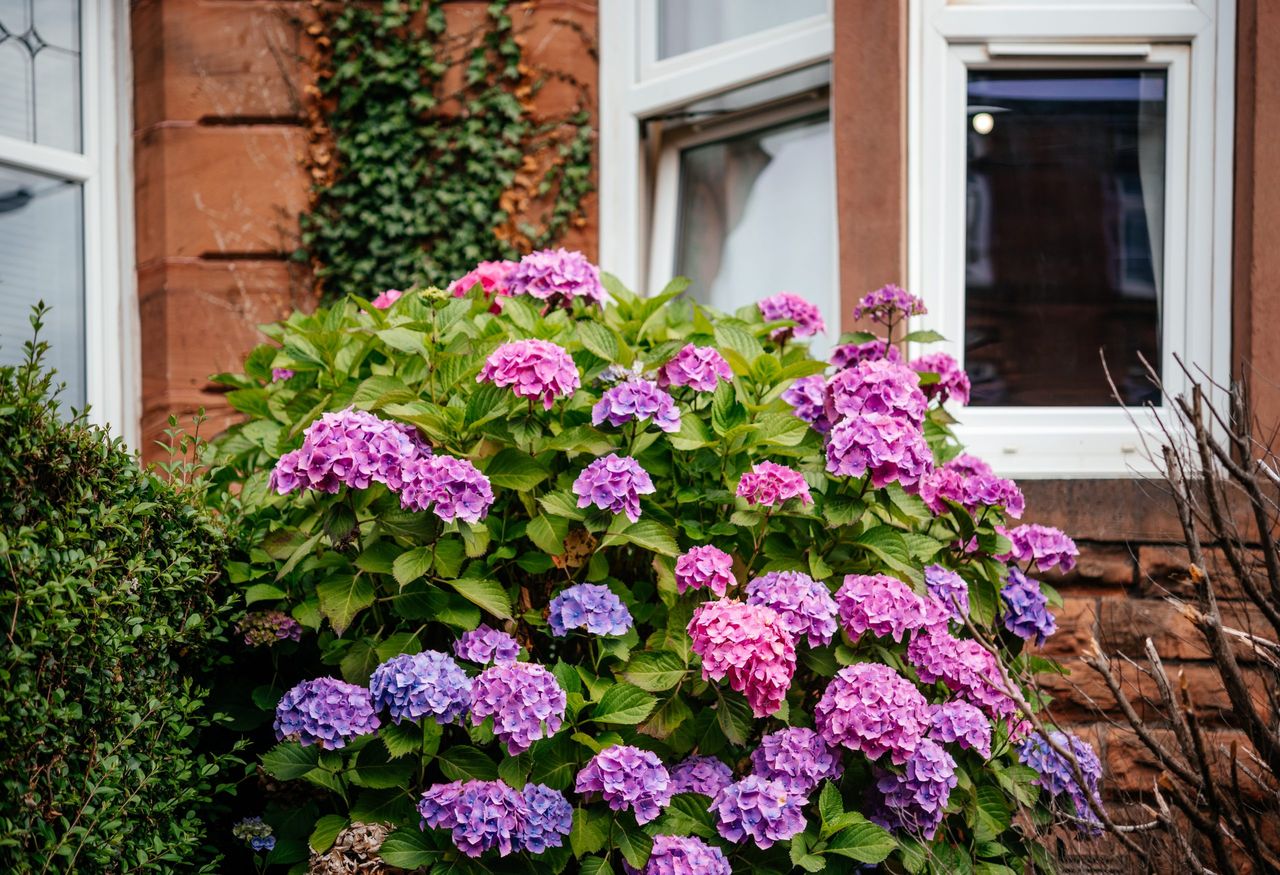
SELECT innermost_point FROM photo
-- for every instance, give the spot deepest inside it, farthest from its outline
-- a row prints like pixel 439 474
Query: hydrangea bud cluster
pixel 325 711
pixel 949 590
pixel 279 374
pixel 1057 776
pixel 963 724
pixel 790 306
pixel 849 354
pixel 915 801
pixel 268 627
pixel 804 606
pixel 590 606
pixel 769 484
pixel 698 367
pixel 628 779
pixel 613 483
pixel 639 400
pixel 1043 546
pixel 878 386
pixel 558 277
pixel 749 645
pixel 880 604
pixel 704 567
pixel 966 667
pixel 952 382
pixel 797 758
pixel 351 447
pixel 493 279
pixel 1027 613
pixel 485 644
pixel 759 809
pixel 869 707
pixel 524 700
pixel 533 369
pixel 888 304
pixel 700 774
pixel 683 855
pixel 547 818
pixel 387 298
pixel 970 483
pixel 807 397
pixel 451 488
pixel 885 447
pixel 256 832
pixel 483 815
pixel 421 685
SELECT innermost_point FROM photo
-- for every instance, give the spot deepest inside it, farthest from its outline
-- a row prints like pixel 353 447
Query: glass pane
pixel 746 200
pixel 684 25
pixel 1065 234
pixel 42 258
pixel 40 71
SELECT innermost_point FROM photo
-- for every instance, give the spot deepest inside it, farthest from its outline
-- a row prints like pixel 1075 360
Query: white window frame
pixel 103 167
pixel 1194 41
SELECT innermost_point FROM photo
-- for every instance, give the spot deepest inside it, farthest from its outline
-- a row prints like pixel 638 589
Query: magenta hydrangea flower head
pixel 1027 613
pixel 759 809
pixel 387 298
pixel 963 724
pixel 481 815
pixel 700 774
pixel 1043 546
pixel 268 627
pixel 350 447
pixel 880 604
pixel 493 279
pixel 590 606
pixel 558 277
pixel 889 305
pixel 698 367
pixel 683 855
pixel 970 483
pixel 804 605
pixel 278 374
pixel 325 711
pixel 485 644
pixel 798 759
pixel 880 386
pixel 807 397
pixel 426 684
pixel 769 484
pixel 915 801
pixel 452 488
pixel 546 818
pixel 533 369
pixel 524 700
pixel 949 589
pixel 704 567
pixel 966 667
pixel 613 483
pixel 849 354
pixel 788 305
pixel 869 707
pixel 886 448
pixel 749 645
pixel 628 778
pixel 1057 776
pixel 952 383
pixel 637 399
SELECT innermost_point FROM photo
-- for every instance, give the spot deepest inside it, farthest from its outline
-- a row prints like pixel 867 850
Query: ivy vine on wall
pixel 427 153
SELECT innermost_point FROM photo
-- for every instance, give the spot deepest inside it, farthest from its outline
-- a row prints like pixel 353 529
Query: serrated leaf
pixel 667 717
pixel 289 760
pixel 404 340
pixel 412 564
pixel 598 339
pixel 401 739
pixel 408 849
pixel 378 557
pixel 512 469
pixel 623 704
pixel 863 841
pixel 488 595
pixel 590 833
pixel 655 671
pixel 992 813
pixel 555 762
pixel 342 598
pixel 326 831
pixel 548 533
pixel 688 814
pixel 376 769
pixel 830 805
pixel 561 503
pixel 634 843
pixel 735 717
pixel 649 534
pixel 466 763
pixel 263 592
pixel 925 336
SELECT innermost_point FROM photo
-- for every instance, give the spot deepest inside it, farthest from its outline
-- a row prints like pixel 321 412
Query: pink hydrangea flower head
pixel 279 374
pixel 869 707
pixel 452 488
pixel 387 298
pixel 637 399
pixel 970 487
pixel 704 567
pixel 523 698
pixel 886 448
pixel 915 801
pixel 683 855
pixel 352 448
pixel 481 815
pixel 880 386
pixel 613 483
pixel 848 354
pixel 759 809
pixel 804 605
pixel 492 278
pixel 484 645
pixel 748 645
pixel 962 724
pixel 770 484
pixel 628 779
pixel 1043 546
pixel 949 590
pixel 966 667
pixel 533 369
pixel 798 758
pixel 808 397
pixel 700 774
pixel 790 306
pixel 558 277
pixel 880 604
pixel 952 383
pixel 698 367
pixel 889 304
pixel 325 711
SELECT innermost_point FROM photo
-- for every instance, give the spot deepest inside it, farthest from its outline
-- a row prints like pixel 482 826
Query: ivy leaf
pixel 326 832
pixel 655 671
pixel 466 763
pixel 512 469
pixel 623 704
pixel 408 849
pixel 341 598
pixel 488 595
pixel 289 760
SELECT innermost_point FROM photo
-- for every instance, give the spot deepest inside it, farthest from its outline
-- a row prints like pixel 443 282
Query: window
pixel 60 197
pixel 1069 206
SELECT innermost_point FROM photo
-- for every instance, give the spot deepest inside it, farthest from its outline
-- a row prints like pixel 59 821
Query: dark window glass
pixel 1064 238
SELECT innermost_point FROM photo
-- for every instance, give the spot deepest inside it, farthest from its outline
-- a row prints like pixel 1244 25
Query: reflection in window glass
pixel 684 25
pixel 1064 239
pixel 756 216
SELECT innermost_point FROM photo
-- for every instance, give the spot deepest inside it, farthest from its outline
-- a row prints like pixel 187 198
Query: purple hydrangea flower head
pixel 749 645
pixel 590 606
pixel 452 488
pixel 889 304
pixel 524 700
pixel 1043 546
pixel 637 399
pixel 268 627
pixel 849 354
pixel 628 778
pixel 557 276
pixel 879 386
pixel 881 604
pixel 533 369
pixel 760 809
pixel 546 818
pixel 1027 613
pixel 705 566
pixel 613 483
pixel 698 367
pixel 769 483
pixel 1057 776
pixel 700 774
pixel 952 383
pixel 885 447
pixel 492 277
pixel 804 605
pixel 869 707
pixel 481 815
pixel 683 855
pixel 387 298
pixel 350 447
pixel 966 667
pixel 798 759
pixel 915 801
pixel 278 374
pixel 426 684
pixel 485 644
pixel 963 724
pixel 949 589
pixel 325 711
pixel 788 305
pixel 807 397
pixel 970 483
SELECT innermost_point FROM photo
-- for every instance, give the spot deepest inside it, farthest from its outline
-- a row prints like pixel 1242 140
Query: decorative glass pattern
pixel 40 99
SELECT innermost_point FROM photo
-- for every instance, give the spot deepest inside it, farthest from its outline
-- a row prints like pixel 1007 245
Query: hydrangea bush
pixel 625 584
